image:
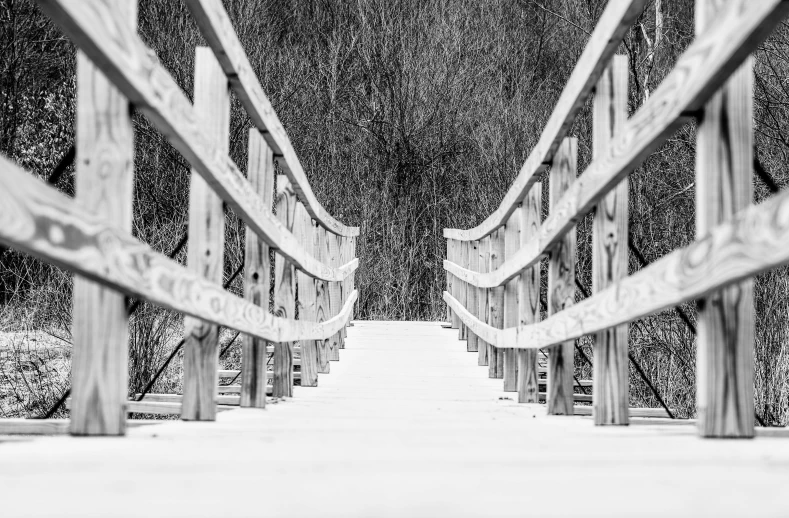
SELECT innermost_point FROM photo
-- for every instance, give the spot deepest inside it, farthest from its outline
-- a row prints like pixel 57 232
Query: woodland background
pixel 409 116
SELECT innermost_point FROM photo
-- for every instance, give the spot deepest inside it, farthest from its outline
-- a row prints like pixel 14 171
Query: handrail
pixel 216 27
pixel 136 72
pixel 44 222
pixel 696 76
pixel 603 43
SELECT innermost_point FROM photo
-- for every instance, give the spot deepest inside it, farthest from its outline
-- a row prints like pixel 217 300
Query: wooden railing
pixel 91 234
pixel 494 268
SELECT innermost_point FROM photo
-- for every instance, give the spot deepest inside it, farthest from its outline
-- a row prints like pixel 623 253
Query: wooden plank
pixel 462 257
pixel 36 214
pixel 305 286
pixel 738 29
pixel 561 283
pixel 352 276
pixel 632 412
pixel 334 295
pixel 451 287
pixel 496 305
pixel 218 31
pixel 206 242
pixel 724 160
pixel 512 241
pixel 529 296
pixel 472 295
pixel 104 185
pixel 609 250
pixel 323 309
pixel 230 400
pixel 225 374
pixel 755 240
pixel 483 343
pixel 130 65
pixel 612 26
pixel 257 274
pixel 284 293
pixel 342 247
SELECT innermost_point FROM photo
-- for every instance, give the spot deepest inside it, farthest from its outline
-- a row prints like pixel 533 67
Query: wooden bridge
pixel 399 418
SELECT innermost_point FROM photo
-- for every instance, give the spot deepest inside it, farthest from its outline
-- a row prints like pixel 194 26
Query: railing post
pixel 462 260
pixel 206 242
pixel 342 258
pixel 284 293
pixel 305 286
pixel 471 295
pixel 104 185
pixel 257 274
pixel 512 237
pixel 529 297
pixel 609 250
pixel 335 295
pixel 452 282
pixel 724 160
pixel 323 309
pixel 496 304
pixel 561 283
pixel 483 247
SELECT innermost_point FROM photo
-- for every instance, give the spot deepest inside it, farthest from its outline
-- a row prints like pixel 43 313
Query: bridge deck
pixel 405 425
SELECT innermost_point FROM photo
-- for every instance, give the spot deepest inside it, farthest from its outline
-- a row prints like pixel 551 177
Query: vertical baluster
pixel 471 295
pixel 496 304
pixel 724 159
pixel 342 258
pixel 257 274
pixel 322 310
pixel 335 304
pixel 483 247
pixel 452 281
pixel 305 286
pixel 529 297
pixel 352 278
pixel 104 185
pixel 284 293
pixel 609 250
pixel 512 238
pixel 462 260
pixel 561 283
pixel 206 242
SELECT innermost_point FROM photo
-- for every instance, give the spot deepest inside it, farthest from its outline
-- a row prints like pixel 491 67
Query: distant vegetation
pixel 409 116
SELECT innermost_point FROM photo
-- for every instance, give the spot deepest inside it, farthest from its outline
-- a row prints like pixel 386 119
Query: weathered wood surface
pixel 561 282
pixel 342 253
pixel 333 250
pixel 609 249
pixel 383 421
pixel 323 309
pixel 36 218
pixel 483 344
pixel 602 45
pixel 217 29
pixel 725 322
pixel 104 185
pixel 206 242
pixel 529 296
pixel 472 293
pixel 284 292
pixel 451 286
pixel 462 251
pixel 735 32
pixel 137 73
pixel 257 274
pixel 496 305
pixel 512 242
pixel 305 286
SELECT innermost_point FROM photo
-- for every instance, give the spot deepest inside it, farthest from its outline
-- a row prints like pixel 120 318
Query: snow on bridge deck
pixel 406 424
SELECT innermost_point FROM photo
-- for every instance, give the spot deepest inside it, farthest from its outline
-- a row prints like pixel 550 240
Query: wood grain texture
pixel 451 287
pixel 462 256
pixel 104 185
pixel 496 305
pixel 472 295
pixel 41 221
pixel 206 242
pixel 725 340
pixel 737 30
pixel 257 274
pixel 323 309
pixel 561 283
pixel 305 286
pixel 609 250
pixel 482 303
pixel 512 242
pixel 335 295
pixel 284 293
pixel 217 29
pixel 529 297
pixel 611 27
pixel 342 254
pixel 136 72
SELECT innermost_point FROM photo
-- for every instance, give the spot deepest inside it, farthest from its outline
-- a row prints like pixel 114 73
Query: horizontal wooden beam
pixel 754 241
pixel 217 29
pixel 39 220
pixel 21 426
pixel 612 26
pixel 634 412
pixel 134 69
